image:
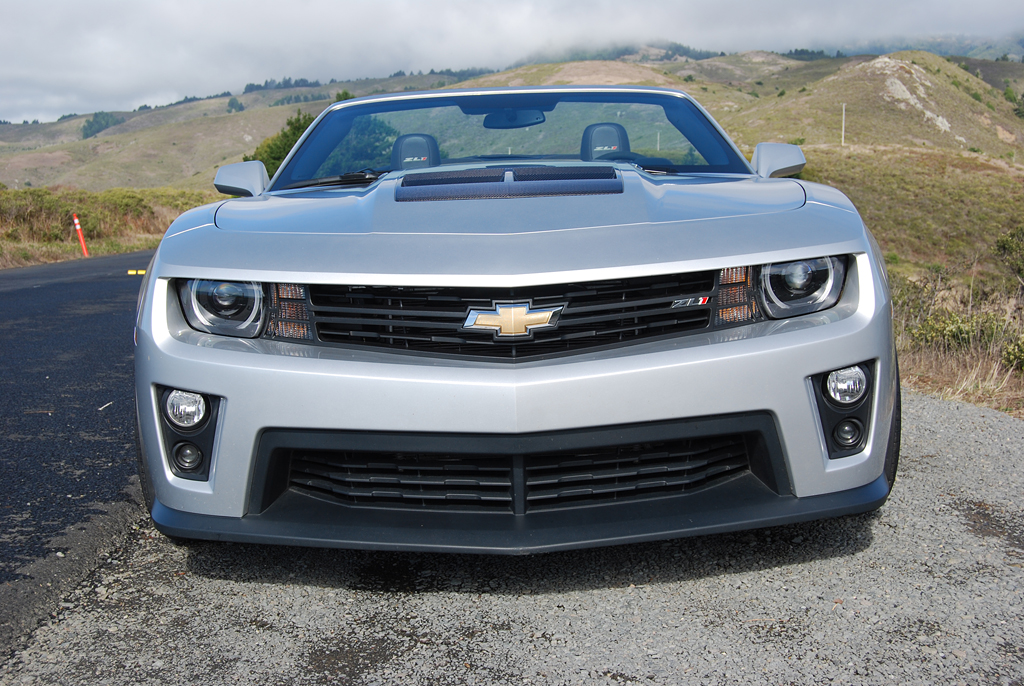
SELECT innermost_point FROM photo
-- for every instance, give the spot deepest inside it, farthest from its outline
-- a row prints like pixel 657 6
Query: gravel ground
pixel 926 590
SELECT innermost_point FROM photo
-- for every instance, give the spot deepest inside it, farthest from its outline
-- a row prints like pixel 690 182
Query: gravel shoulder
pixel 926 590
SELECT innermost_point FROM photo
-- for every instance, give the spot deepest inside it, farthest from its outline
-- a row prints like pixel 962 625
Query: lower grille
pixel 404 480
pixel 518 483
pixel 633 471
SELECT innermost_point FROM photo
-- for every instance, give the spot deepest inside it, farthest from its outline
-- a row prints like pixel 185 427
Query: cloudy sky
pixel 66 56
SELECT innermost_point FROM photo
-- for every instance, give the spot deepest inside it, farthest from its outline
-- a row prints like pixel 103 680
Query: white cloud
pixel 69 56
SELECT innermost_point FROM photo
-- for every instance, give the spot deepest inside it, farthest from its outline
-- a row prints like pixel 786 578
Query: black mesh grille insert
pixel 427 319
pixel 546 480
pixel 632 471
pixel 405 479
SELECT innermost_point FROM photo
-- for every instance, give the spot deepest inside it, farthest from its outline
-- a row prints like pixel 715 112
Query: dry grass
pixel 972 377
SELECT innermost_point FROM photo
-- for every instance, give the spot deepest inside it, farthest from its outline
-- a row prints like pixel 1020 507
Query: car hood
pixel 375 210
pixel 655 226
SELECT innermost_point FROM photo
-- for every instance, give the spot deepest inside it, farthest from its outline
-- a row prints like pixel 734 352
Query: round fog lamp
pixel 847 433
pixel 187 457
pixel 847 385
pixel 185 410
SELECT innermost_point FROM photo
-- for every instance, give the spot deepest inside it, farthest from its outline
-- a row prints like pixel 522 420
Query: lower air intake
pixel 513 482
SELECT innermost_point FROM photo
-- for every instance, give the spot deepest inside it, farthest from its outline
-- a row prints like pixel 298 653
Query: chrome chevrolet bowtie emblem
pixel 513 319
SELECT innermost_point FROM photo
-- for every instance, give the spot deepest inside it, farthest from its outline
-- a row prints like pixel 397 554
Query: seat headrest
pixel 415 151
pixel 603 139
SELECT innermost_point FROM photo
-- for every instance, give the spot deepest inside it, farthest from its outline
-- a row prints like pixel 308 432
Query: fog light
pixel 848 433
pixel 187 457
pixel 848 385
pixel 185 410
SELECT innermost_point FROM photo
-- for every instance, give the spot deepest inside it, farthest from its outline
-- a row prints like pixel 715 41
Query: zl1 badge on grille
pixel 510 320
pixel 689 302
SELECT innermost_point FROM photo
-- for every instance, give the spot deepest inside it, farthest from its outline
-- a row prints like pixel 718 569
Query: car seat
pixel 415 151
pixel 605 141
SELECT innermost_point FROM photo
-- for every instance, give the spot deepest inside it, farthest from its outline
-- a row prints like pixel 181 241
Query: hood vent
pixel 508 182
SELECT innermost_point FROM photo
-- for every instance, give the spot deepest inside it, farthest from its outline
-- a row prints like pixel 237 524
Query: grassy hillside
pixel 180 145
pixel 929 208
pixel 914 99
pixel 998 75
pixel 166 147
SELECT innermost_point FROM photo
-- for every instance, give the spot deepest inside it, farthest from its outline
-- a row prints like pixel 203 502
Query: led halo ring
pixel 225 308
pixel 791 289
pixel 824 290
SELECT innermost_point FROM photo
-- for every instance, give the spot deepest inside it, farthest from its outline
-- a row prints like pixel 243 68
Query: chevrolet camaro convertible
pixel 514 321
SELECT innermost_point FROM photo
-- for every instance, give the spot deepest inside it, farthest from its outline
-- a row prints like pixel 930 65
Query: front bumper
pixel 763 370
pixel 743 503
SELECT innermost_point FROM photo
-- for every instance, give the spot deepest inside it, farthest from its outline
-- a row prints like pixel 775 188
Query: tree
pixel 235 106
pixel 99 122
pixel 272 151
pixel 343 95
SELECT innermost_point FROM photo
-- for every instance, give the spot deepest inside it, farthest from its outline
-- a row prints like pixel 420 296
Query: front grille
pixel 518 482
pixel 427 319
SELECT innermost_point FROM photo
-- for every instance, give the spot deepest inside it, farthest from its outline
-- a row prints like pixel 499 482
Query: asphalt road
pixel 66 429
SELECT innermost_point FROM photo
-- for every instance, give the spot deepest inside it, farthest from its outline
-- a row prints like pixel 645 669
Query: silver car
pixel 515 321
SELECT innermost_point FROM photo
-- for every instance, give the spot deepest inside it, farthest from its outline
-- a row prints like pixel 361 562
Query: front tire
pixel 892 454
pixel 148 495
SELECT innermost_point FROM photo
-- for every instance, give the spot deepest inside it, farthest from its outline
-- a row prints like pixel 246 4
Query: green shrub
pixel 44 215
pixel 1012 356
pixel 958 332
pixel 1010 248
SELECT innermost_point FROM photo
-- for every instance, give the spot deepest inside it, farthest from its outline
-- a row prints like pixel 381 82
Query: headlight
pixel 228 308
pixel 790 289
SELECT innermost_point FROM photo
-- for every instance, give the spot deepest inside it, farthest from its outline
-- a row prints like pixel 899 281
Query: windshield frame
pixel 463 98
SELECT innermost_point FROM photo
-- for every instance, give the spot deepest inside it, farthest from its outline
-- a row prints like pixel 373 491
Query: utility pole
pixel 843 143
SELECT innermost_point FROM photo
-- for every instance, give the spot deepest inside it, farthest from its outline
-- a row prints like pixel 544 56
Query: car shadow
pixel 577 570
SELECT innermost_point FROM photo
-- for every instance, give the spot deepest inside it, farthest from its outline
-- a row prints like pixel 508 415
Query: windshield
pixel 661 133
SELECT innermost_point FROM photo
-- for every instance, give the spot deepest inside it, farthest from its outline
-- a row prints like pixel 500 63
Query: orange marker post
pixel 81 238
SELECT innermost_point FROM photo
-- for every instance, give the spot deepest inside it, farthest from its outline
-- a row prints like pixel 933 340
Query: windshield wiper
pixel 357 178
pixel 656 168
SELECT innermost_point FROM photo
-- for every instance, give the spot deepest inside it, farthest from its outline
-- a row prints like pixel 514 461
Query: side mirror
pixel 774 160
pixel 242 178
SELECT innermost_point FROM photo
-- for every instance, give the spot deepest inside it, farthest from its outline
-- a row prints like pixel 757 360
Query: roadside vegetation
pixel 36 224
